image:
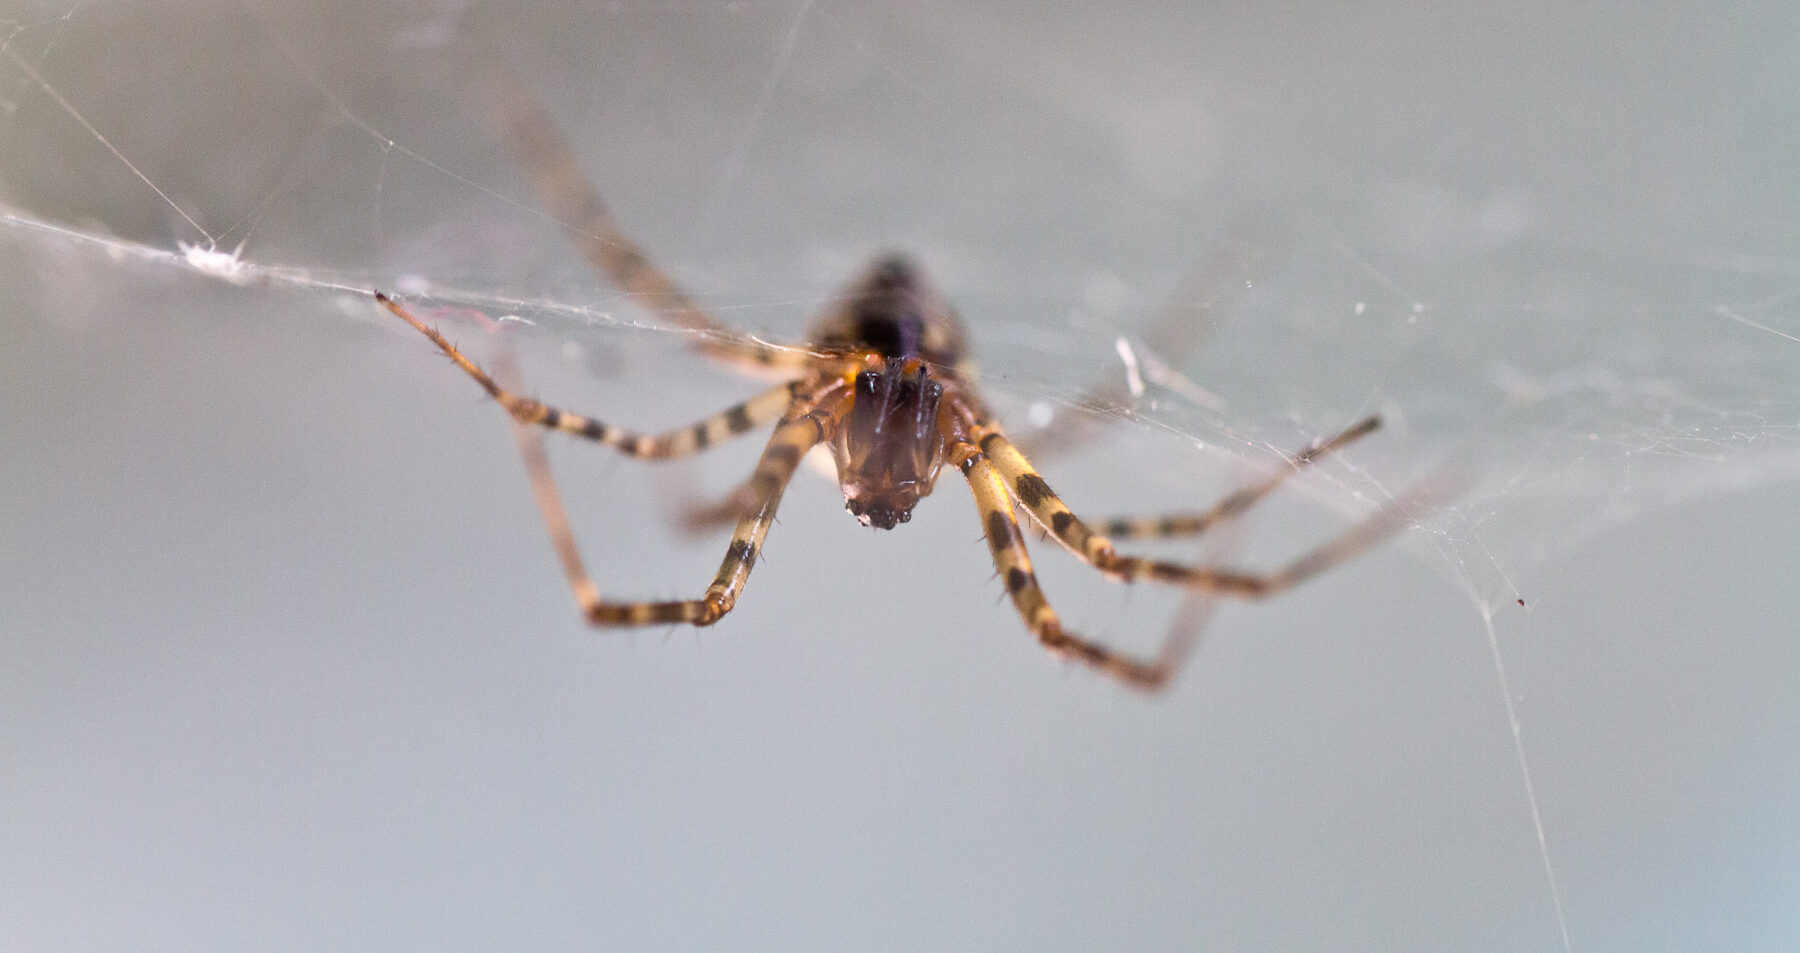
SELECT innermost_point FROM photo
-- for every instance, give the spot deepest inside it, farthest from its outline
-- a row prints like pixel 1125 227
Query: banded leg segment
pixel 1234 504
pixel 680 442
pixel 1097 550
pixel 524 126
pixel 1007 545
pixel 798 432
pixel 791 440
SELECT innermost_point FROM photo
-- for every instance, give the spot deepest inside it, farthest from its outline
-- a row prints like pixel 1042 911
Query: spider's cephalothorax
pixel 889 448
pixel 883 382
pixel 889 445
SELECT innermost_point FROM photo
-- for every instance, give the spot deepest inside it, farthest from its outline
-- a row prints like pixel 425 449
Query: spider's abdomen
pixel 888 325
pixel 893 311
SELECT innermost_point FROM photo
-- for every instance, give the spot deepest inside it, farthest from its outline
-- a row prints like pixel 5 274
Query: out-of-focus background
pixel 285 661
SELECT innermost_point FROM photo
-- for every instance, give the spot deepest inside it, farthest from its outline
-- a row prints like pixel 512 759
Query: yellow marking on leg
pixel 1025 485
pixel 556 520
pixel 1006 545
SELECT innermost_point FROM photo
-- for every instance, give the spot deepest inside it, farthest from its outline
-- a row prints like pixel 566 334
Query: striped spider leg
pixel 1097 550
pixel 807 410
pixel 518 120
pixel 999 475
pixel 1168 526
pixel 1195 609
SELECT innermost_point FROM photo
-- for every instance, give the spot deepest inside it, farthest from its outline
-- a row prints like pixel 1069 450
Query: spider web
pixel 1558 260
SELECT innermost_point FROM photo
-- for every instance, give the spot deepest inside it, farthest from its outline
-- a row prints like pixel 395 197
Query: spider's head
pixel 888 451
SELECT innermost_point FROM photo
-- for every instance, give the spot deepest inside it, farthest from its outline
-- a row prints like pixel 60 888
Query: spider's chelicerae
pixel 884 382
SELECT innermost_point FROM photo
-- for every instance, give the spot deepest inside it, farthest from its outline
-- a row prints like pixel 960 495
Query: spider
pixel 885 383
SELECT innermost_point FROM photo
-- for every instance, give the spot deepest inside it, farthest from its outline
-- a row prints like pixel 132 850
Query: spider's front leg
pixel 808 421
pixel 679 442
pixel 1013 563
pixel 1097 550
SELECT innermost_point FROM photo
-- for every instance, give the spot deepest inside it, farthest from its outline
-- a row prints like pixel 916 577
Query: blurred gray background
pixel 285 661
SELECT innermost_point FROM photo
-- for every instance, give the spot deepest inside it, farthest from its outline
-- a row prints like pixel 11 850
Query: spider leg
pixel 799 430
pixel 1214 287
pixel 680 442
pixel 697 516
pixel 693 514
pixel 520 121
pixel 1234 504
pixel 1013 563
pixel 1097 550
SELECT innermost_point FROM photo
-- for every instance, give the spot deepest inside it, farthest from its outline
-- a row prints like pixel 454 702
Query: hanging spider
pixel 885 383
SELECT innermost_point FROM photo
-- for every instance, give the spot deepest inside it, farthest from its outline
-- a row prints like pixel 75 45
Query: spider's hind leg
pixel 520 121
pixel 1212 289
